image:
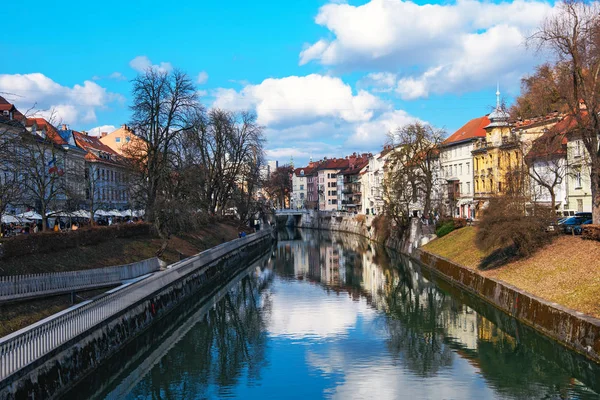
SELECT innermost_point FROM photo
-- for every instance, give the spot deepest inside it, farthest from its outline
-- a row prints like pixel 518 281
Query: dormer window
pixel 301 172
pixel 118 140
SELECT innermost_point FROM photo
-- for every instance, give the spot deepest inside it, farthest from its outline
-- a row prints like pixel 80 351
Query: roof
pixel 471 130
pixel 51 132
pixel 93 145
pixel 334 163
pixel 358 165
pixel 553 143
pixel 307 171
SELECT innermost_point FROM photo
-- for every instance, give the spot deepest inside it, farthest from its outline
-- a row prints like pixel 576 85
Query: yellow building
pixel 498 163
pixel 124 141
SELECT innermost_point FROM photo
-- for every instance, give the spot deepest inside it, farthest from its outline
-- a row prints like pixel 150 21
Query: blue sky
pixel 325 78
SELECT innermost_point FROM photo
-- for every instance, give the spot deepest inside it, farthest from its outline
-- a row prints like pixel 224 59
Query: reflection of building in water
pixel 375 281
pixel 330 267
pixel 461 325
pixel 300 254
pixel 489 332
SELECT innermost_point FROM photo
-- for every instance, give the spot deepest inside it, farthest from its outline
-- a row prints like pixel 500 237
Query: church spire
pixel 497 95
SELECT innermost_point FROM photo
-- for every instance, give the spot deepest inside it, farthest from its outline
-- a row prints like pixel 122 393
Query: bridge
pixel 290 217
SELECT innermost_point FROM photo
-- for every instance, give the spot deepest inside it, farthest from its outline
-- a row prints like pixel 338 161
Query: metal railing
pixel 23 347
pixel 21 287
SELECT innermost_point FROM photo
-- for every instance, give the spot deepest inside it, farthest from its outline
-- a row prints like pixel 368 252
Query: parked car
pixel 578 229
pixel 586 215
pixel 571 222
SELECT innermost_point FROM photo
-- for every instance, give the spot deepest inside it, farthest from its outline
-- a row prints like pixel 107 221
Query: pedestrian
pixel 35 228
pixel 243 234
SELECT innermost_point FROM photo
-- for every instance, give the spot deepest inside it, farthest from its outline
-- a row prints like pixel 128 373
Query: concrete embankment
pixel 573 329
pixel 70 353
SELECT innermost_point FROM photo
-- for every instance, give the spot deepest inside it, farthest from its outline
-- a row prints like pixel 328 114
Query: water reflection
pixel 333 316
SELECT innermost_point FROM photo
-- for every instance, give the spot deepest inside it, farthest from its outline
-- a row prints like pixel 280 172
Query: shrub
pixel 506 227
pixel 382 226
pixel 445 229
pixel 591 232
pixel 360 218
pixel 46 242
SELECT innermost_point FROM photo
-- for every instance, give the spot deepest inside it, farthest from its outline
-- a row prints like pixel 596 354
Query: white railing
pixel 23 347
pixel 20 287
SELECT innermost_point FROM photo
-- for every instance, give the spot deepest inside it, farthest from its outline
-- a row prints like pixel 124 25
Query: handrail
pixel 23 347
pixel 20 287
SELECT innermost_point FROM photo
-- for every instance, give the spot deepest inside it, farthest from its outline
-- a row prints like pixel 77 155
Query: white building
pixel 457 167
pixel 300 187
pixel 547 163
pixel 327 181
pixel 372 183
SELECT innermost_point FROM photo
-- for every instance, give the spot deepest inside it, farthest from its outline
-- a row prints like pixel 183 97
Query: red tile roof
pixel 551 144
pixel 93 144
pixel 471 130
pixel 51 132
pixel 334 163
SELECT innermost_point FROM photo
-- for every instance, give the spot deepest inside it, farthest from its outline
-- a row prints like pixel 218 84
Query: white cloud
pixel 97 131
pixel 297 100
pixel 117 76
pixel 379 81
pixel 373 134
pixel 142 63
pixel 297 319
pixel 68 104
pixel 455 46
pixel 202 78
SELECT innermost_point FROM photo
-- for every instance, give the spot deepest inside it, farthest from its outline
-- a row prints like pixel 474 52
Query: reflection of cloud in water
pixel 301 310
pixel 379 377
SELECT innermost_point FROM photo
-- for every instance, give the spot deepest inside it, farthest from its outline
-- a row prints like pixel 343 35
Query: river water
pixel 332 316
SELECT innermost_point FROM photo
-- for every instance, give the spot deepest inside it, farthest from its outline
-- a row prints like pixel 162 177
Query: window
pixel 334 201
pixel 578 179
pixel 577 148
pixel 127 139
pixel 460 168
pixel 301 187
pixel 334 192
pixel 499 186
pixel 468 168
pixel 301 196
pixel 302 172
pixel 118 140
pixel 468 187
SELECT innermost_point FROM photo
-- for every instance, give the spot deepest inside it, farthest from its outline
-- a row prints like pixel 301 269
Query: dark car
pixel 578 229
pixel 571 222
pixel 586 215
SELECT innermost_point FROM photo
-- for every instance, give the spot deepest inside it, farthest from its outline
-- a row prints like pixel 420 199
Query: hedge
pixel 47 242
pixel 445 229
pixel 590 232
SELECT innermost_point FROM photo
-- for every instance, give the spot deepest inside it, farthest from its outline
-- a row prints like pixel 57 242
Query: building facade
pixel 456 163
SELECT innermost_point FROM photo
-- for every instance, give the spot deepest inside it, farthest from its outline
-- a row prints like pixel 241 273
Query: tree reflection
pixel 229 343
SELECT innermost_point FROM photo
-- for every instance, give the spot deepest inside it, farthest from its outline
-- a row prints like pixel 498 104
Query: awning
pixel 30 215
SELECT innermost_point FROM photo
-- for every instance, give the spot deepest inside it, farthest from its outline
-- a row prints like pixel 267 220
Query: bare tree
pixel 10 188
pixel 279 185
pixel 547 165
pixel 40 163
pixel 416 156
pixel 162 102
pixel 226 151
pixel 573 34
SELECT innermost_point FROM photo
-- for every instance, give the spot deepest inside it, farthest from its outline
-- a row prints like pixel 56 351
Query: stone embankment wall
pixel 55 372
pixel 573 329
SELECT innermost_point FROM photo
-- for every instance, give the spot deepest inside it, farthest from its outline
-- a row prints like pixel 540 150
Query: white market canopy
pixel 30 215
pixel 11 219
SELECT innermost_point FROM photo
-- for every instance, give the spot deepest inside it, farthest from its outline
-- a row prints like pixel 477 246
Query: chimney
pixel 124 126
pixel 103 134
pixel 65 127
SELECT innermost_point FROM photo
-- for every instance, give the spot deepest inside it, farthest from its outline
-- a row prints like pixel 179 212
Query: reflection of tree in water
pixel 515 370
pixel 415 335
pixel 230 340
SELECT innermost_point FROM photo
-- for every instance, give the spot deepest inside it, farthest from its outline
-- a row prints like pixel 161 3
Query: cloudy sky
pixel 326 78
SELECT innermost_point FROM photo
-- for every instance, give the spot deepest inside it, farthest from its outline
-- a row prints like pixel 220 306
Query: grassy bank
pixel 566 271
pixel 15 316
pixel 120 251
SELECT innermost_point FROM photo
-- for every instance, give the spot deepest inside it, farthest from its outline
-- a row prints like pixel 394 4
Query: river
pixel 332 316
